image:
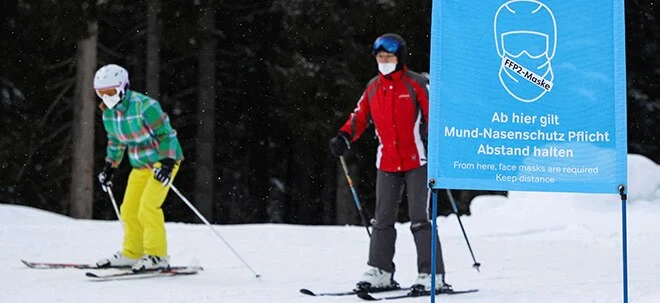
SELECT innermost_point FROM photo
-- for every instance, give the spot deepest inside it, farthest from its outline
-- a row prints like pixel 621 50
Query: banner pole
pixel 434 235
pixel 624 234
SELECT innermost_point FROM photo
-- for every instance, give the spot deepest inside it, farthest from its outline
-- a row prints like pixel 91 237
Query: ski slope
pixel 533 247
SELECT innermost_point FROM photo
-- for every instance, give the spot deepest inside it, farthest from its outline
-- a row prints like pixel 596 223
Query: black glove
pixel 164 172
pixel 105 176
pixel 339 144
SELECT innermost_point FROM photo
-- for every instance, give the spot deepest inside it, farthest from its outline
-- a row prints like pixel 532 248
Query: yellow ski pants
pixel 142 216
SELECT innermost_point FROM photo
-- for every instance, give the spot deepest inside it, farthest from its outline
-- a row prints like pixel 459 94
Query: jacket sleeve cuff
pixel 111 163
pixel 167 162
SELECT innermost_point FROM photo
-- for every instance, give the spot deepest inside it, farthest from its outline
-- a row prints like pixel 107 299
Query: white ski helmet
pixel 108 78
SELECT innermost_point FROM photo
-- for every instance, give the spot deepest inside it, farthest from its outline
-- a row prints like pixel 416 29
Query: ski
pixel 345 293
pixel 339 293
pixel 47 265
pixel 413 294
pixel 125 275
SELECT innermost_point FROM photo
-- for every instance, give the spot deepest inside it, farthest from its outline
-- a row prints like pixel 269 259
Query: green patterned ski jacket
pixel 139 124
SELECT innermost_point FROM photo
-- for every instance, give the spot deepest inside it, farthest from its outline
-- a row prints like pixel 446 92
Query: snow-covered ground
pixel 533 247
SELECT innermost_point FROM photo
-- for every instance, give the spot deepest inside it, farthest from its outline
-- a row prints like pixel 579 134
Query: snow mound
pixel 9 214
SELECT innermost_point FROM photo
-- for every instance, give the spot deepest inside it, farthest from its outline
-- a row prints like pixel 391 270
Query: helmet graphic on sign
pixel 526 41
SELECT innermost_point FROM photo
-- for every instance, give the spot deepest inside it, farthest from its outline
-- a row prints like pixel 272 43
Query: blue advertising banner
pixel 528 95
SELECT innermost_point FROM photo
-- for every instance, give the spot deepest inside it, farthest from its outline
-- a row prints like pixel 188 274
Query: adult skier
pixel 397 103
pixel 136 123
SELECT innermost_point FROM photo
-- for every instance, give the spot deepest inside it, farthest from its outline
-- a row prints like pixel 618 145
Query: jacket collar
pixel 123 105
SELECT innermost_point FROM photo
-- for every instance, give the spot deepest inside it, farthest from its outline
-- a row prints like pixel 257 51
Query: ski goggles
pixel 106 91
pixel 386 43
pixel 533 43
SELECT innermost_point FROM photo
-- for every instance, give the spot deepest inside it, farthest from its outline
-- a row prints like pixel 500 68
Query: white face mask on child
pixel 111 101
pixel 386 68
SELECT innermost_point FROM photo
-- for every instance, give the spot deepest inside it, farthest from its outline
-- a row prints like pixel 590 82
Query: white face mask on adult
pixel 386 68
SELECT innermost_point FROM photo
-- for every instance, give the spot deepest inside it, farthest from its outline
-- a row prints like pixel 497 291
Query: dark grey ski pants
pixel 389 191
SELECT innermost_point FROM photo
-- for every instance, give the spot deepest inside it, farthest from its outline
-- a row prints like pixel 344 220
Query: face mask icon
pixel 526 39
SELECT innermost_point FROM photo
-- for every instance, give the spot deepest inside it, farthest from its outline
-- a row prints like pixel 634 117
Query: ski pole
pixel 201 217
pixel 355 196
pixel 357 202
pixel 453 205
pixel 108 189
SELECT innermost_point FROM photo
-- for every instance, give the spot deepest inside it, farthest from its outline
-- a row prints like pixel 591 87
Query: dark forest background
pixel 254 88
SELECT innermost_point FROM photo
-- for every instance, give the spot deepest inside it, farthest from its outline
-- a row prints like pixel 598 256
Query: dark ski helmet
pixel 392 43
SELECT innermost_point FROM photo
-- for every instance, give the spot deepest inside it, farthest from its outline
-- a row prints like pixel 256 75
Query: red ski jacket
pixel 398 106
